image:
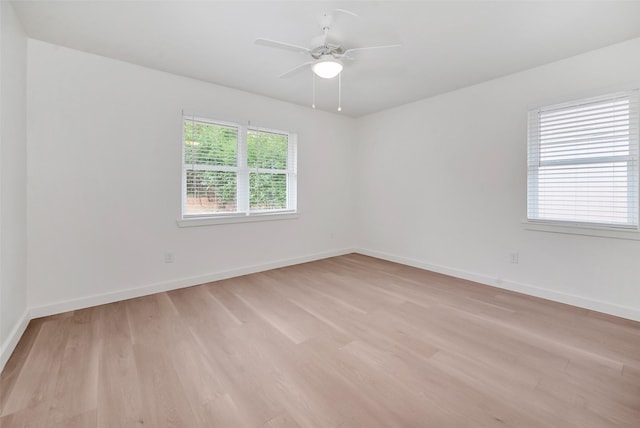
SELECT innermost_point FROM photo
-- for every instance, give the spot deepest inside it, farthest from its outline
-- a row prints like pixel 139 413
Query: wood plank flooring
pixel 350 341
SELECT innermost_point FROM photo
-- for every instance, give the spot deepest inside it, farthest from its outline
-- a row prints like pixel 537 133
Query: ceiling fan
pixel 327 52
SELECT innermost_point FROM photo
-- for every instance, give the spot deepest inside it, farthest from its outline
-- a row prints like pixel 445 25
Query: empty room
pixel 319 214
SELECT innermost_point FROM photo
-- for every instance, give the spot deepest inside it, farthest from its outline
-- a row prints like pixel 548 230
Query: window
pixel 236 171
pixel 583 163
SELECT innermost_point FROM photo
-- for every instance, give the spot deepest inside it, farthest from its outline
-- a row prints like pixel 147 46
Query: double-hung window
pixel 236 171
pixel 583 163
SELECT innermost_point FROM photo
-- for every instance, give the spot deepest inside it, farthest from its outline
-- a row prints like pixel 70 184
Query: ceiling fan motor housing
pixel 321 51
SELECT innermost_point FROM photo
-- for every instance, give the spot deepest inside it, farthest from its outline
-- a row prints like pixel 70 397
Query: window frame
pixel 243 211
pixel 576 226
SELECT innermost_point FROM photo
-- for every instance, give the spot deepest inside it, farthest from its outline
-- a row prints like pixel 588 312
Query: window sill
pixel 235 218
pixel 603 232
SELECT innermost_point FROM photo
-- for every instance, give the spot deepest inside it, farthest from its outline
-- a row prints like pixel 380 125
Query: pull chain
pixel 313 104
pixel 340 91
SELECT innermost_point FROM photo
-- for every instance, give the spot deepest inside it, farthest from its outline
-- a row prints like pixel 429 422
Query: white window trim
pixel 579 228
pixel 244 214
pixel 236 218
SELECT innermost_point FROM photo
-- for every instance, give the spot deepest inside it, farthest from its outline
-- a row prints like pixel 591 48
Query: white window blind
pixel 229 169
pixel 583 162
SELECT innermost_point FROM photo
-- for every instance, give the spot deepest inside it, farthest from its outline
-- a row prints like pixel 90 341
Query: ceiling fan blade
pixel 346 12
pixel 280 45
pixel 295 70
pixel 353 50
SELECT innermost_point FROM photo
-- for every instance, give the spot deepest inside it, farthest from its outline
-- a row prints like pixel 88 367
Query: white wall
pixel 104 182
pixel 13 288
pixel 442 185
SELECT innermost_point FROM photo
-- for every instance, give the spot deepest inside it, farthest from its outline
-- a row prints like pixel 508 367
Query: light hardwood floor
pixel 349 341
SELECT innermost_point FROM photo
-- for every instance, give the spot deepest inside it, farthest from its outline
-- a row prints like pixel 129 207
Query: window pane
pixel 209 144
pixel 210 192
pixel 582 132
pixel 266 150
pixel 594 193
pixel 267 191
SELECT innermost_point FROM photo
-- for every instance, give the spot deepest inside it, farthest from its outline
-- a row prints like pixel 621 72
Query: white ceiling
pixel 445 45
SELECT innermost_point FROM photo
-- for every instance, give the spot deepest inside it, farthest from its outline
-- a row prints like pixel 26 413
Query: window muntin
pixel 231 169
pixel 583 162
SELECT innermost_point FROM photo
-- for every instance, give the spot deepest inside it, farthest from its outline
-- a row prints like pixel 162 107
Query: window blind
pixel 583 162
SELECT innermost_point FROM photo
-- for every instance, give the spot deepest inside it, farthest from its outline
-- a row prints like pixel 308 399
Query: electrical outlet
pixel 168 257
pixel 515 258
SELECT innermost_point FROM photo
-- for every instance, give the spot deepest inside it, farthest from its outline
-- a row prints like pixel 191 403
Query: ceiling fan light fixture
pixel 327 68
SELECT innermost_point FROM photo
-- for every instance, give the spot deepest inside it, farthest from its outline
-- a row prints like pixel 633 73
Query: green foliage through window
pixel 267 150
pixel 268 191
pixel 209 144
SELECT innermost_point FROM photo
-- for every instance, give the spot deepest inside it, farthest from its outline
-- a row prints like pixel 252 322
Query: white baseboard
pixel 10 343
pixel 115 296
pixel 531 290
